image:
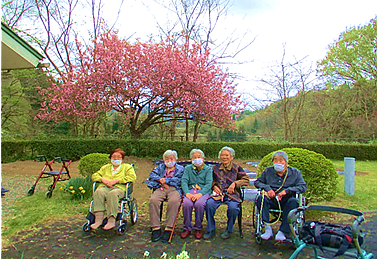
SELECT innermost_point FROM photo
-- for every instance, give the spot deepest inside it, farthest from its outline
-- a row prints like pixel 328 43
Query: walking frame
pixel 61 175
pixel 356 252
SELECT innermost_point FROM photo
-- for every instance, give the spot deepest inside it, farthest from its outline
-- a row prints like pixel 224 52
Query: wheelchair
pixel 128 207
pixel 275 216
pixel 300 244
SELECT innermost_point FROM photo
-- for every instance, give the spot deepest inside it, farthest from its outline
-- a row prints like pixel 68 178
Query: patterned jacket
pixel 223 178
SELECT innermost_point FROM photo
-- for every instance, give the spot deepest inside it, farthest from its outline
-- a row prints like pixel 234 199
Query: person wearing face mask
pixel 228 178
pixel 196 185
pixel 165 181
pixel 112 178
pixel 281 183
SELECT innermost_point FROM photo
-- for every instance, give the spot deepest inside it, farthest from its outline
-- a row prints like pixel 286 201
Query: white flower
pixel 183 255
pixel 146 253
pixel 164 255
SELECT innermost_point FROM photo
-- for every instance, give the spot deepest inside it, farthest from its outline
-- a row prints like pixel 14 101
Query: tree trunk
pixel 172 129
pixel 196 129
pixel 187 128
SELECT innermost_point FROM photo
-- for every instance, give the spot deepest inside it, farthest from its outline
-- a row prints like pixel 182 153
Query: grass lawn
pixel 365 198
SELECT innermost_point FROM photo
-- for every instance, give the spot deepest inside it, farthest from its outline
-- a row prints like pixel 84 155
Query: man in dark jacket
pixel 279 184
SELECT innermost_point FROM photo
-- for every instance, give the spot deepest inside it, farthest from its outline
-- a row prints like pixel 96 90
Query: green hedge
pixel 76 148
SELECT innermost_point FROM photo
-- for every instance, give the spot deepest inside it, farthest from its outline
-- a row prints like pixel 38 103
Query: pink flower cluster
pixel 163 78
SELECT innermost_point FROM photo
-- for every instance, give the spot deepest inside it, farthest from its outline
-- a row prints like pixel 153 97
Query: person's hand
pixel 162 181
pixel 109 183
pixel 106 182
pixel 281 194
pixel 217 190
pixel 196 196
pixel 189 196
pixel 165 186
pixel 231 188
pixel 271 194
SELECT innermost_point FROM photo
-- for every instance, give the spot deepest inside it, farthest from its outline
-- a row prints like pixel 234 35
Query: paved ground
pixel 67 240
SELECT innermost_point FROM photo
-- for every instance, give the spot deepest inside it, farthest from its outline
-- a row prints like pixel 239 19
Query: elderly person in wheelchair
pixel 165 180
pixel 112 179
pixel 228 178
pixel 279 184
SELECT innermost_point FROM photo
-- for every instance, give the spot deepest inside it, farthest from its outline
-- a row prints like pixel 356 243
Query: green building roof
pixel 16 53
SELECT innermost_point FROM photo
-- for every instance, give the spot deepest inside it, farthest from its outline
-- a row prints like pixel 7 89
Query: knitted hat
pixel 280 153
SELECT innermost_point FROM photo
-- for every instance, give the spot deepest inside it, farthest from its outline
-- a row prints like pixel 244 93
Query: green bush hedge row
pixel 76 148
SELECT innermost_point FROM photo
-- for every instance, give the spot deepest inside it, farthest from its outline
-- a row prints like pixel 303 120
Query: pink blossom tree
pixel 149 83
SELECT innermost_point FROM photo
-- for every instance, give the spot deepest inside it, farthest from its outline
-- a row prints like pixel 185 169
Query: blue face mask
pixel 279 167
pixel 197 161
pixel 116 162
pixel 170 164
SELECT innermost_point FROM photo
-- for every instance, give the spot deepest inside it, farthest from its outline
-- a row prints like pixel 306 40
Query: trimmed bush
pixel 91 163
pixel 75 149
pixel 318 172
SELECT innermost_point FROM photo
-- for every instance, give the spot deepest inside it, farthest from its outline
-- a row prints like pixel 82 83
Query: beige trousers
pixel 173 199
pixel 111 197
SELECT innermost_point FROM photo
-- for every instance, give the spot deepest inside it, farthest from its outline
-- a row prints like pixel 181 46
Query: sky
pixel 306 28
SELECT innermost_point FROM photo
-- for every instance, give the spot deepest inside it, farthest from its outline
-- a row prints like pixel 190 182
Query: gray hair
pixel 196 150
pixel 231 151
pixel 280 153
pixel 170 152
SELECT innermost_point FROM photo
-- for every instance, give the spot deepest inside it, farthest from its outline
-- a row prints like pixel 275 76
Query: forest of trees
pixel 104 88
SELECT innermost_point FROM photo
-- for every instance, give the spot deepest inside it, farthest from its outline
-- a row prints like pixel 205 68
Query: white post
pixel 349 175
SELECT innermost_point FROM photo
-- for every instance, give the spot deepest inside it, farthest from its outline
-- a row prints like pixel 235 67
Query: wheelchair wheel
pixel 255 216
pixel 49 194
pixel 258 224
pixel 86 228
pixel 122 229
pixel 133 211
pixel 30 191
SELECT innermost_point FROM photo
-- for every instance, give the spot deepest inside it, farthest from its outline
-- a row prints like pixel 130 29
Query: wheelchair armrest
pixel 129 188
pixel 95 185
pixel 242 194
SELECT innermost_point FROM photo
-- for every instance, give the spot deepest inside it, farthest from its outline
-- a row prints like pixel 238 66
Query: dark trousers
pixel 287 204
pixel 232 213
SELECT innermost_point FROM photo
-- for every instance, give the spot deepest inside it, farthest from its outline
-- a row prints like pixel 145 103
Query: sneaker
pixel 156 234
pixel 185 234
pixel 165 236
pixel 225 235
pixel 209 234
pixel 280 236
pixel 268 233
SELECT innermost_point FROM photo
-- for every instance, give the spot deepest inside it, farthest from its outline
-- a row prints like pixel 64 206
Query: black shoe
pixel 156 234
pixel 165 236
pixel 209 235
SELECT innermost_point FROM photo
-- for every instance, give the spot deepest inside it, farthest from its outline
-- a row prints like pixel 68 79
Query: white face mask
pixel 197 161
pixel 116 162
pixel 279 167
pixel 170 164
